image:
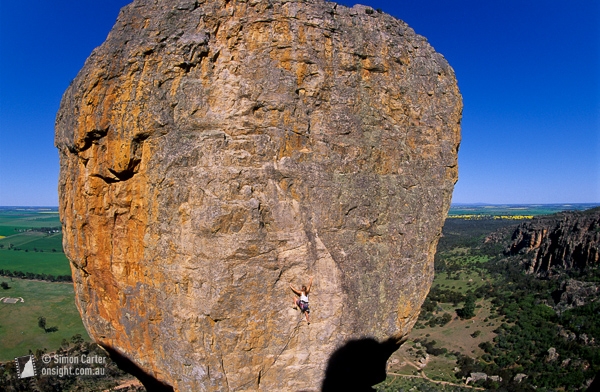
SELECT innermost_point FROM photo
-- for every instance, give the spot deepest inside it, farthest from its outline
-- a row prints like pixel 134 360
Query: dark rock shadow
pixel 359 364
pixel 595 385
pixel 127 365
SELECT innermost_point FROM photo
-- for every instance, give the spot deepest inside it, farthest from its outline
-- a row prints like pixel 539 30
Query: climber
pixel 302 302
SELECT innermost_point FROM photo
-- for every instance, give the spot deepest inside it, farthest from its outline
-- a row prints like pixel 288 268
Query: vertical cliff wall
pixel 568 240
pixel 213 152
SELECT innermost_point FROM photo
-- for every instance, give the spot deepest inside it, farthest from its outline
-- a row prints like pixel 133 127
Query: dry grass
pixel 454 336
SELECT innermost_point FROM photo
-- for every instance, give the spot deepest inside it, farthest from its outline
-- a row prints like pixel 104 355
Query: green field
pixel 19 330
pixel 13 219
pixel 35 262
pixel 31 241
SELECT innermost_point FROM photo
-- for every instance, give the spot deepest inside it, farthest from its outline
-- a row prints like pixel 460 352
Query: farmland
pixel 32 241
pixel 511 210
pixel 31 247
pixel 19 330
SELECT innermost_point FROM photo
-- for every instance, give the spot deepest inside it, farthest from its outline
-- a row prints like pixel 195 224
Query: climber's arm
pixel 294 290
pixel 309 285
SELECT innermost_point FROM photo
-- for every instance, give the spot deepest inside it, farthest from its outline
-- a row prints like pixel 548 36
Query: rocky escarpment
pixel 213 152
pixel 573 293
pixel 562 241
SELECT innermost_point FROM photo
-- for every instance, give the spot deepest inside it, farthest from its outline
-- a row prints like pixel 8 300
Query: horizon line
pixel 451 204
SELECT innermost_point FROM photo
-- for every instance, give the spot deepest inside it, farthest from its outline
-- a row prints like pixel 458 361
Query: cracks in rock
pixel 132 166
pixel 86 273
pixel 197 51
pixel 81 268
pixel 215 56
pixel 350 210
pixel 108 180
pixel 278 277
pixel 186 66
pixel 293 331
pixel 84 161
pixel 128 173
pixel 90 138
pixel 216 320
pixel 224 373
pixel 122 175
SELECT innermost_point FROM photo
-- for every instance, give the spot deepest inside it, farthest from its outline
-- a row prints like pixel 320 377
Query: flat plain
pixel 32 242
pixel 19 330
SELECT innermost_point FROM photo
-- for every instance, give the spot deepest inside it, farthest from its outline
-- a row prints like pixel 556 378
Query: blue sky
pixel 529 72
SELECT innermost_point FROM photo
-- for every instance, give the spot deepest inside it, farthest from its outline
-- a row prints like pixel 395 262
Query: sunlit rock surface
pixel 213 152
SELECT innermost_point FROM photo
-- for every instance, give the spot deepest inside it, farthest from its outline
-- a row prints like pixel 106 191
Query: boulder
pixel 213 152
pixel 519 377
pixel 552 355
pixel 477 376
pixel 573 293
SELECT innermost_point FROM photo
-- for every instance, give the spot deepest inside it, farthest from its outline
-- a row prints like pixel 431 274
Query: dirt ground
pixel 411 358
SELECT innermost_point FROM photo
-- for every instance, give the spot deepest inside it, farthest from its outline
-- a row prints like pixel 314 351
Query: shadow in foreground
pixel 127 365
pixel 595 385
pixel 359 364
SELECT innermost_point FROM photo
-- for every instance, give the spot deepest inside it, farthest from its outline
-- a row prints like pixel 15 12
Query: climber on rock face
pixel 302 302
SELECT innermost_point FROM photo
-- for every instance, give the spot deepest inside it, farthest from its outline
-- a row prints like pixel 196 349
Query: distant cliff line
pixel 549 244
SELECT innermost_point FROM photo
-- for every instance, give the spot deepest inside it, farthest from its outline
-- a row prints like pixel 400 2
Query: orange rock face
pixel 213 152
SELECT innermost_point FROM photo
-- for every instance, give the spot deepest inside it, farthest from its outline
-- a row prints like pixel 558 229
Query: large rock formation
pixel 213 152
pixel 561 241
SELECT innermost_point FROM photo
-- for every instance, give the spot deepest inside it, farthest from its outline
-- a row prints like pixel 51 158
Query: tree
pixel 42 323
pixel 4 285
pixel 468 311
pixel 77 339
pixel 445 319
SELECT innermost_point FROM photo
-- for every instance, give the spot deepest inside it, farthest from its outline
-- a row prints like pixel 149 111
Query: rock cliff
pixel 573 293
pixel 213 152
pixel 564 241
